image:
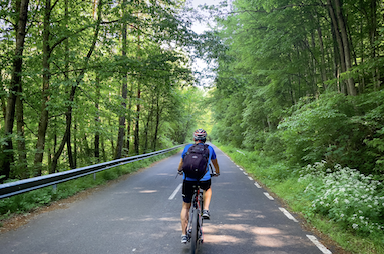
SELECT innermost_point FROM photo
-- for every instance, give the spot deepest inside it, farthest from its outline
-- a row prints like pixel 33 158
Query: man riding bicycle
pixel 200 137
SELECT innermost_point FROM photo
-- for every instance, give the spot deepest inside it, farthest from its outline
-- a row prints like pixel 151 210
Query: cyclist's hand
pixel 180 172
pixel 215 174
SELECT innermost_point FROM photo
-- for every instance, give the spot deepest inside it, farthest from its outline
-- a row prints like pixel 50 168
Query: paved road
pixel 139 215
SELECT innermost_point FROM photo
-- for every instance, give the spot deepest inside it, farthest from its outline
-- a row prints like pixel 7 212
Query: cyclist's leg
pixel 206 186
pixel 184 216
pixel 207 198
pixel 187 196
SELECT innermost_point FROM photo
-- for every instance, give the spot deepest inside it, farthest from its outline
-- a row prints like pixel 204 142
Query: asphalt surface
pixel 140 215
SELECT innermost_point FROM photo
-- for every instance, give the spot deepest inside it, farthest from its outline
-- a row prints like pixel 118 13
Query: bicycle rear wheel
pixel 195 231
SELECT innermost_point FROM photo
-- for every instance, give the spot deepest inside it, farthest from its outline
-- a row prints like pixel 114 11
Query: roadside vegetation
pixel 340 202
pixel 299 90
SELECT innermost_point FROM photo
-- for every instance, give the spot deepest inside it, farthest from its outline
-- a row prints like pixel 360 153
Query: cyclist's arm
pixel 216 165
pixel 180 164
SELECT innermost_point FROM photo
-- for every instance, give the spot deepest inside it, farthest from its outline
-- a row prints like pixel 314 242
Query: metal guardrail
pixel 18 187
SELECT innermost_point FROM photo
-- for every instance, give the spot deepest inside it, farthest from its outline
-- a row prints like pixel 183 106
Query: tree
pixel 79 87
pixel 21 9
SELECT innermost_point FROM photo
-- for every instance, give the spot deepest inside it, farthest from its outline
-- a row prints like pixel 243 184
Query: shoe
pixel 206 215
pixel 184 239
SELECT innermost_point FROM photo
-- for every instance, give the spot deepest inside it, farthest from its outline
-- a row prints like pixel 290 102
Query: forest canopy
pixel 301 80
pixel 89 81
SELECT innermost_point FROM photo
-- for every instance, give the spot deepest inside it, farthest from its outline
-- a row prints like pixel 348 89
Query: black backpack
pixel 195 161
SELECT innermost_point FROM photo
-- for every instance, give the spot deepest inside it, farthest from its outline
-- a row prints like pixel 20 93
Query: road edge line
pixel 318 244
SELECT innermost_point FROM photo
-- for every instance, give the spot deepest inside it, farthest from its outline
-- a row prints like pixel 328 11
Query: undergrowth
pixel 340 202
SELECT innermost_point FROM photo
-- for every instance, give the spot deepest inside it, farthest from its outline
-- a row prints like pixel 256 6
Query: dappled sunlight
pixel 223 239
pixel 165 174
pixel 223 183
pixel 149 219
pixel 269 241
pixel 265 231
pixel 237 216
pixel 170 219
pixel 226 234
pixel 148 191
pixel 210 228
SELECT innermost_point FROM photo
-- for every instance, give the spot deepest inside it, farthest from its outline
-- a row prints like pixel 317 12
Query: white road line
pixel 268 196
pixel 175 192
pixel 250 178
pixel 288 214
pixel 245 173
pixel 319 245
pixel 257 185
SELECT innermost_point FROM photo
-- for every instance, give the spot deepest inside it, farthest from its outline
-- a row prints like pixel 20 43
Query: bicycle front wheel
pixel 195 231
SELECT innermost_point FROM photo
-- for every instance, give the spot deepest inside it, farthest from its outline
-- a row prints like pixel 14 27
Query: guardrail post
pixel 94 176
pixel 54 188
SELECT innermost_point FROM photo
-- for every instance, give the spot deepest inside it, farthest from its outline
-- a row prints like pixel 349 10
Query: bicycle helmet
pixel 200 134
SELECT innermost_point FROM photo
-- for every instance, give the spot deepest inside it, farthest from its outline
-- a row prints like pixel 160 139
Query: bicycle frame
pixel 195 221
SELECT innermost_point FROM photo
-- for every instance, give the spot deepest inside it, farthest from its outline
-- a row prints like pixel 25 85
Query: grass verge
pixel 284 182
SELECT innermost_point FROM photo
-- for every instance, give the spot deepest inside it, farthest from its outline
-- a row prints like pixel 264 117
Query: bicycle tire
pixel 195 231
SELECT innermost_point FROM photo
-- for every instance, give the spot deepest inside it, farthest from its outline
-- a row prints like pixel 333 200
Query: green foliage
pixel 151 61
pixel 339 201
pixel 347 196
pixel 338 129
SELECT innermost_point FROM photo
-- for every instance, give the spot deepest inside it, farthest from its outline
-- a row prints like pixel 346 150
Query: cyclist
pixel 200 137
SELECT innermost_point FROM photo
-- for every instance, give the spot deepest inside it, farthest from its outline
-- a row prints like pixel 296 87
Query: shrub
pixel 346 196
pixel 340 129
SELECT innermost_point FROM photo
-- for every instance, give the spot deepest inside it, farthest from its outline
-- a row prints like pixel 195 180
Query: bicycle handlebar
pixel 213 174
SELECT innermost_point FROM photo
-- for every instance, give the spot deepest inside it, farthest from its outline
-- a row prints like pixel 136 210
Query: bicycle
pixel 195 222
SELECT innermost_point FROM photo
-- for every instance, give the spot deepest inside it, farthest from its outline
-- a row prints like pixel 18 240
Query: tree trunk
pixel 68 141
pixel 68 114
pixel 22 166
pixel 137 120
pixel 97 121
pixel 68 119
pixel 124 91
pixel 103 149
pixel 8 158
pixel 338 40
pixel 147 128
pixel 322 66
pixel 129 119
pixel 43 123
pixel 157 122
pixel 2 99
pixel 137 132
pixel 75 145
pixel 346 45
pixel 373 38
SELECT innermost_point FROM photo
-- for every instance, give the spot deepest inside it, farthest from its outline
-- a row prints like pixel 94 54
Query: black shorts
pixel 187 190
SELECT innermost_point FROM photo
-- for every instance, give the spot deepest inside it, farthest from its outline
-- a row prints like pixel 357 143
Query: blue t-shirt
pixel 212 156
